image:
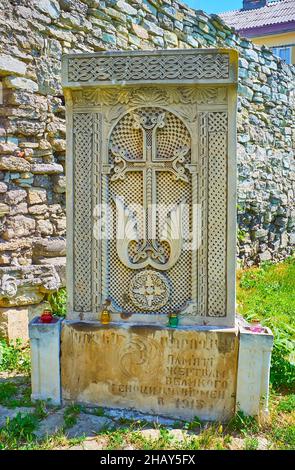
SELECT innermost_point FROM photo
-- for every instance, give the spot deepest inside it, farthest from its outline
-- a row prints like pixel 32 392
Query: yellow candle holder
pixel 105 317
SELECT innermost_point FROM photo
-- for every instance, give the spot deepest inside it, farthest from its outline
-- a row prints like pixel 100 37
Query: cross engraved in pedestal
pixel 149 250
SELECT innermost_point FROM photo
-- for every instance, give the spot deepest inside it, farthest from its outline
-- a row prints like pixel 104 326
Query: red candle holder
pixel 46 316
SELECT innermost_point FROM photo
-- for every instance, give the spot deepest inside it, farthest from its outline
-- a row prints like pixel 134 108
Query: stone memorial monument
pixel 151 233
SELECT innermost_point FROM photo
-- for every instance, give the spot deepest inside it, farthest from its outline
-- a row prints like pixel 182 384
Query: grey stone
pixel 15 196
pixel 49 7
pixel 12 163
pixel 89 425
pixel 7 148
pixel 21 83
pixel 126 8
pixel 50 247
pixel 3 187
pixel 47 168
pixel 18 226
pixel 9 65
pixel 53 423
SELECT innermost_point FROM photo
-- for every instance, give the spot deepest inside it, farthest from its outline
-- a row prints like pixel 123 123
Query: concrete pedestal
pixel 179 373
pixel 253 372
pixel 45 358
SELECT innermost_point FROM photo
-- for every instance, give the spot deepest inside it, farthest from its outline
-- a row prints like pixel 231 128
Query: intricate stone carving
pixel 149 290
pixel 144 152
pixel 83 148
pixel 8 286
pixel 217 210
pixel 148 253
pixel 135 356
pixel 213 196
pixel 153 146
pixel 152 68
pixel 149 144
pixel 146 95
pixel 21 285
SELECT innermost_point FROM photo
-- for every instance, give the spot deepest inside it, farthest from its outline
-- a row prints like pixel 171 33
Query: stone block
pixel 21 83
pixel 140 31
pixel 14 324
pixel 180 373
pixel 19 226
pixel 7 148
pixel 12 163
pixel 47 168
pixel 15 196
pixel 4 209
pixel 25 296
pixel 37 195
pixel 89 425
pixel 50 247
pixel 9 65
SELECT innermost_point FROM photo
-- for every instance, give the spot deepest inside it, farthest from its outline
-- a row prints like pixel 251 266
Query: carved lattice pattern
pixel 152 68
pixel 212 254
pixel 83 148
pixel 203 201
pixel 165 189
pixel 217 221
pixel 127 138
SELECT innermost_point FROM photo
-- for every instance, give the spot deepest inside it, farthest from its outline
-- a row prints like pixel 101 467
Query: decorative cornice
pixel 172 66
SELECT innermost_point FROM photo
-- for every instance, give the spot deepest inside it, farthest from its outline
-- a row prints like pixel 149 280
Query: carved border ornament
pixel 177 66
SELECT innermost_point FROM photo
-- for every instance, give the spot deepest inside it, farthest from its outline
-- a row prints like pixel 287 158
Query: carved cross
pixel 149 165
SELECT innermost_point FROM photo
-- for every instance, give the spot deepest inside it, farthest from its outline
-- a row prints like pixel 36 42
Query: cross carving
pixel 149 250
pixel 149 164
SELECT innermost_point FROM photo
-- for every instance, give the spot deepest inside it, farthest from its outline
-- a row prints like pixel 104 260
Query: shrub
pixel 58 302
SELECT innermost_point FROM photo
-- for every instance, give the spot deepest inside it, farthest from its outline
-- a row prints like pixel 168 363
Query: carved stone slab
pixel 179 373
pixel 151 185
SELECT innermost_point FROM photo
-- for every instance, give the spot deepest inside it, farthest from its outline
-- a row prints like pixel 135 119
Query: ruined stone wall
pixel 33 36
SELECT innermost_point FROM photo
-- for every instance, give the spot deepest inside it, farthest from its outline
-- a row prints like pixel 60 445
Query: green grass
pixel 18 432
pixel 71 414
pixel 13 395
pixel 14 357
pixel 267 293
pixel 242 424
pixel 287 404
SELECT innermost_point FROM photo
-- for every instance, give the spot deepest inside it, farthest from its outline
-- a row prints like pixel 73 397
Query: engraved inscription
pixel 178 373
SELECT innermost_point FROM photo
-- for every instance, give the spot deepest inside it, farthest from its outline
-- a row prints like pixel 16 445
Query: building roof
pixel 272 14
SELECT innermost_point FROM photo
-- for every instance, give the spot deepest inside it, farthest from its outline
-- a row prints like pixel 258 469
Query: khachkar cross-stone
pixel 149 289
